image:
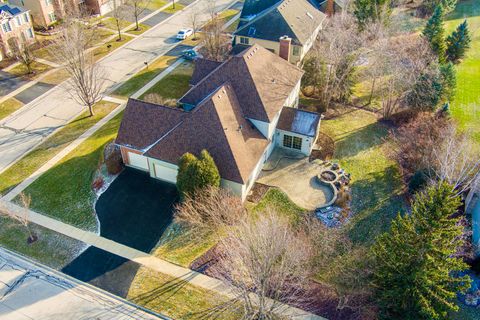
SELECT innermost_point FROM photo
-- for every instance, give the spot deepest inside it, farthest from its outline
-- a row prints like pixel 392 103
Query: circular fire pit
pixel 328 176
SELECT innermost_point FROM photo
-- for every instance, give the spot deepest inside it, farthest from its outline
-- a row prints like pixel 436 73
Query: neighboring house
pixel 239 111
pixel 15 24
pixel 330 7
pixel 287 28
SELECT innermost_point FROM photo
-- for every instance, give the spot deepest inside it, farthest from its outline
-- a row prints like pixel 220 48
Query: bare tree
pixel 330 67
pixel 267 264
pixel 119 13
pixel 456 160
pixel 86 77
pixel 210 209
pixel 195 23
pixel 22 51
pixel 23 217
pixel 137 7
pixel 216 44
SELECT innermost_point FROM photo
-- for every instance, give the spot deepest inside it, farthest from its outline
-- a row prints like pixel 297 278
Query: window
pixel 292 142
pixel 297 143
pixel 48 2
pixel 6 27
pixel 243 40
pixel 19 21
pixel 25 17
pixel 52 17
pixel 30 33
pixel 296 51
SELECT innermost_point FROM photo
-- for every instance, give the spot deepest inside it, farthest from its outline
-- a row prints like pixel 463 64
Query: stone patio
pixel 296 176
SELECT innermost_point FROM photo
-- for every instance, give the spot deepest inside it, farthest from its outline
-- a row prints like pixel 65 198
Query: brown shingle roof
pixel 144 123
pixel 261 80
pixel 202 68
pixel 219 126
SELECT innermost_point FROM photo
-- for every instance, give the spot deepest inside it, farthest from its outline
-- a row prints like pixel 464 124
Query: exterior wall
pixel 153 169
pixel 40 9
pixel 21 28
pixel 307 142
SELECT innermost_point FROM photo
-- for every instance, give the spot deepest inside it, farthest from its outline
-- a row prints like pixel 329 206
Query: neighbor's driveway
pixel 21 131
pixel 295 176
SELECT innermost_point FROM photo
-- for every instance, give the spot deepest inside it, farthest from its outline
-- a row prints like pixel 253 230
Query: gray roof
pixel 11 9
pixel 299 121
pixel 297 19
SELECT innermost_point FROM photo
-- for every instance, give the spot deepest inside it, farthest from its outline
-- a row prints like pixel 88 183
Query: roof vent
pixel 309 15
pixel 240 127
pixel 252 31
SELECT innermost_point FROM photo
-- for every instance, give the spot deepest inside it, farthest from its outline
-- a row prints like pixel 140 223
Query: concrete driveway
pixel 296 176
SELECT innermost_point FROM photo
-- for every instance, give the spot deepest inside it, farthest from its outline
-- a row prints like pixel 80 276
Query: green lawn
pixel 466 107
pixel 376 182
pixel 140 79
pixel 9 106
pixel 53 249
pixel 64 192
pixel 175 85
pixel 56 77
pixel 172 297
pixel 277 199
pixel 103 49
pixel 142 29
pixel 156 4
pixel 171 10
pixel 50 147
pixel 37 69
pixel 111 23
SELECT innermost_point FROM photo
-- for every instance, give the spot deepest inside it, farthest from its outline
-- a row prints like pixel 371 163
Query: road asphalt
pixel 24 129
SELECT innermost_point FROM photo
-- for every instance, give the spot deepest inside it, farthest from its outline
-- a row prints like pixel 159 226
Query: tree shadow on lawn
pixel 375 207
pixel 355 141
pixel 465 9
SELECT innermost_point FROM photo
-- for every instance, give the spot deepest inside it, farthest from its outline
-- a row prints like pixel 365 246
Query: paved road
pixel 24 129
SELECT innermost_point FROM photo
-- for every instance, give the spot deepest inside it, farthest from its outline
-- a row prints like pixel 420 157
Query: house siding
pixel 307 142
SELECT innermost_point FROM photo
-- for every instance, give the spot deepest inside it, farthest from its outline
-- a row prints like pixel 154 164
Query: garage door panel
pixel 138 161
pixel 166 173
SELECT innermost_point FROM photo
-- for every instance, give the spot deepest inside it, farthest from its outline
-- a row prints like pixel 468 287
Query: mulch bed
pixel 326 148
pixel 257 192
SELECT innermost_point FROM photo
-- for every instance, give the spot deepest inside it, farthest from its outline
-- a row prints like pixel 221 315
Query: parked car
pixel 184 33
pixel 190 54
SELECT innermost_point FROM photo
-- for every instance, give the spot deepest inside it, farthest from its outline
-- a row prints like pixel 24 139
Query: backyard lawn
pixel 50 147
pixel 175 85
pixel 376 182
pixel 466 107
pixel 9 106
pixel 103 49
pixel 65 191
pixel 140 79
pixel 53 249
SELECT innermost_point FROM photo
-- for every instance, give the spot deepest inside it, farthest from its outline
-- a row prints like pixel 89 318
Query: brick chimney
pixel 330 8
pixel 285 43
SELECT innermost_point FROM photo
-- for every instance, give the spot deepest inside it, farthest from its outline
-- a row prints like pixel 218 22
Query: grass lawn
pixel 64 192
pixel 376 182
pixel 56 77
pixel 466 313
pixel 172 297
pixel 101 35
pixel 9 106
pixel 111 23
pixel 156 4
pixel 199 36
pixel 37 69
pixel 53 249
pixel 140 79
pixel 142 29
pixel 103 50
pixel 171 10
pixel 174 85
pixel 224 17
pixel 182 246
pixel 466 107
pixel 50 147
pixel 277 199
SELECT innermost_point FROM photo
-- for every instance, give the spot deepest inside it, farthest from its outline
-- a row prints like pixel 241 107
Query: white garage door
pixel 138 161
pixel 165 173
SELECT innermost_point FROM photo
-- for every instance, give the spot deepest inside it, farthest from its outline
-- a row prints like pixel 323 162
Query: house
pixel 238 110
pixel 16 24
pixel 330 7
pixel 287 28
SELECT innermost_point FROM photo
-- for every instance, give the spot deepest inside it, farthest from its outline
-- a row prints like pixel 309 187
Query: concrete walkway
pixel 28 127
pixel 142 258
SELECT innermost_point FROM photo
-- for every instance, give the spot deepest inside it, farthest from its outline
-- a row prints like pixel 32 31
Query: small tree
pixel 458 42
pixel 137 7
pixel 434 32
pixel 119 14
pixel 22 51
pixel 367 11
pixel 194 173
pixel 195 23
pixel 216 44
pixel 416 271
pixel 23 217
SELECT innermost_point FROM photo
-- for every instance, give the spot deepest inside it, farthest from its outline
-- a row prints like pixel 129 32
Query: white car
pixel 184 33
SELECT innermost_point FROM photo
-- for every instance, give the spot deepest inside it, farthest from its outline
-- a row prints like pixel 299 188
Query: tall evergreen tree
pixel 434 32
pixel 448 76
pixel 458 42
pixel 371 11
pixel 416 272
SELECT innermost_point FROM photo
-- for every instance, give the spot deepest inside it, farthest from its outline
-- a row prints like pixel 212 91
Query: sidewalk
pixel 142 258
